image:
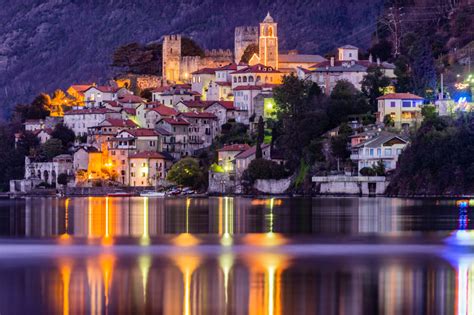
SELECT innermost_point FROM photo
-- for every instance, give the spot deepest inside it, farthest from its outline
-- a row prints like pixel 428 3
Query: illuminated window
pixel 392 104
pixel 406 104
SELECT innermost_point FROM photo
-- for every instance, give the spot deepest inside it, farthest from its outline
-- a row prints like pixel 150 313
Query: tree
pixel 28 143
pixel 379 168
pixel 51 148
pixel 260 136
pixel 64 134
pixel 346 100
pixel 138 59
pixel 402 71
pixel 249 51
pixel 185 172
pixel 339 143
pixel 63 179
pixel 382 50
pixel 301 114
pixel 264 169
pixel 423 74
pixel 388 121
pixel 38 109
pixel 373 85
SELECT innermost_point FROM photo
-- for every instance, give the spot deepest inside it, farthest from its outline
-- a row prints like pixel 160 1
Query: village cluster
pixel 136 141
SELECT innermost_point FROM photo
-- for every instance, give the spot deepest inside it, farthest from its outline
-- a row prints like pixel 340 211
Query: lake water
pixel 235 256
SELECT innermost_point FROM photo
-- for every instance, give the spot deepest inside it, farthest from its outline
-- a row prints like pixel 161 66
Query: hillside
pixel 53 43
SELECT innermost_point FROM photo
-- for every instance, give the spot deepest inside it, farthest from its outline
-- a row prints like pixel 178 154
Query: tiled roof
pixel 119 123
pixel 104 89
pixel 148 155
pixel 230 66
pixel 202 115
pixel 80 88
pixel 247 88
pixel 400 96
pixel 176 121
pixel 258 68
pixel 163 131
pixel 112 103
pixel 164 110
pixel 223 83
pixel 229 105
pixel 250 151
pixel 130 111
pixel 205 71
pixel 142 132
pixel 345 65
pixel 196 104
pixel 234 147
pixel 349 47
pixel 130 98
pixel 379 140
pixel 89 111
pixel 296 58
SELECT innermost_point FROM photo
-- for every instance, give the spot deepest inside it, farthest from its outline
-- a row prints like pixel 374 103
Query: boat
pixel 151 193
pixel 121 194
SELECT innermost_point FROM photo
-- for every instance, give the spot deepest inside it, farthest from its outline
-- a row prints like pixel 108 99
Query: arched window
pixel 235 79
pixel 258 78
pixel 244 79
pixel 240 79
pixel 251 79
pixel 270 31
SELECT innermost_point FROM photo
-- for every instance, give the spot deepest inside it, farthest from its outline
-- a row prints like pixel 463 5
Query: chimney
pixel 332 61
pixel 378 61
pixel 371 59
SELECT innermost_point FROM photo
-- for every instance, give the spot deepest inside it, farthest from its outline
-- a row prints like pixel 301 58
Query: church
pixel 270 56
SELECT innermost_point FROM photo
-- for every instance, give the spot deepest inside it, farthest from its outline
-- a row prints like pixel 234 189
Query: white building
pixel 48 172
pixel 385 147
pixel 201 79
pixel 80 120
pixel 95 96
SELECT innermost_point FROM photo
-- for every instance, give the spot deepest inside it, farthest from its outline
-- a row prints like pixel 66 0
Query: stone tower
pixel 171 57
pixel 244 36
pixel 268 42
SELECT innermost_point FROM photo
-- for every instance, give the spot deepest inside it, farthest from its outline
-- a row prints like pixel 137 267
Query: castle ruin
pixel 244 36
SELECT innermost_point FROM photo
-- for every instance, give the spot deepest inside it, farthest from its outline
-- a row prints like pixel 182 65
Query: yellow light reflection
pixel 465 286
pixel 226 261
pixel 106 263
pixel 107 240
pixel 187 264
pixel 145 239
pixel 65 270
pixel 144 262
pixel 226 222
pixel 65 238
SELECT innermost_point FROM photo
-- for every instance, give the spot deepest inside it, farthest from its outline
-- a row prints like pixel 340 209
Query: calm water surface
pixel 235 256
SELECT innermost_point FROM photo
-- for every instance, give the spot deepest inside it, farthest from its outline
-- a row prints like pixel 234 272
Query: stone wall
pixel 272 186
pixel 350 185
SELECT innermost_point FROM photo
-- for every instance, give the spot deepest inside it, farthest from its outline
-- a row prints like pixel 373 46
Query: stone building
pixel 171 57
pixel 244 36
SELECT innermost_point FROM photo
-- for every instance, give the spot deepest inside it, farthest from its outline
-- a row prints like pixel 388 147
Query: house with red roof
pixel 243 159
pixel 224 110
pixel 200 80
pixel 43 134
pixel 95 96
pixel 130 101
pixel 76 92
pixel 226 155
pixel 177 143
pixel 202 129
pixel 101 134
pixel 347 67
pixel 192 106
pixel 219 91
pixel 148 168
pixel 171 95
pixel 403 108
pixel 80 120
pixel 150 116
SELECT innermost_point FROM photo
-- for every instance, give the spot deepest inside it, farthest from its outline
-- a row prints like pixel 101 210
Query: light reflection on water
pixel 266 281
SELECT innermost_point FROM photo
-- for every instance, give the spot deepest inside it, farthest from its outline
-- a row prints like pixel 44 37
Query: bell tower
pixel 268 42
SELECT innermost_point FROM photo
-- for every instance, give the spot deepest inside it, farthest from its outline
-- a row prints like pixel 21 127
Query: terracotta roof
pixel 223 83
pixel 234 147
pixel 160 89
pixel 176 121
pixel 205 71
pixel 258 68
pixel 130 98
pixel 104 89
pixel 88 111
pixel 80 88
pixel 196 104
pixel 112 103
pixel 230 66
pixel 148 155
pixel 400 96
pixel 247 88
pixel 130 111
pixel 164 110
pixel 163 131
pixel 250 151
pixel 202 115
pixel 297 58
pixel 120 122
pixel 339 64
pixel 229 105
pixel 349 47
pixel 142 132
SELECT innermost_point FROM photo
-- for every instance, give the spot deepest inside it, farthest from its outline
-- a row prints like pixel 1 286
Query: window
pixel 112 152
pixel 132 164
pixel 406 104
pixel 132 174
pixel 388 152
pixel 143 174
pixel 123 162
pixel 371 152
pixel 143 164
pixel 399 151
pixel 379 152
pixel 392 104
